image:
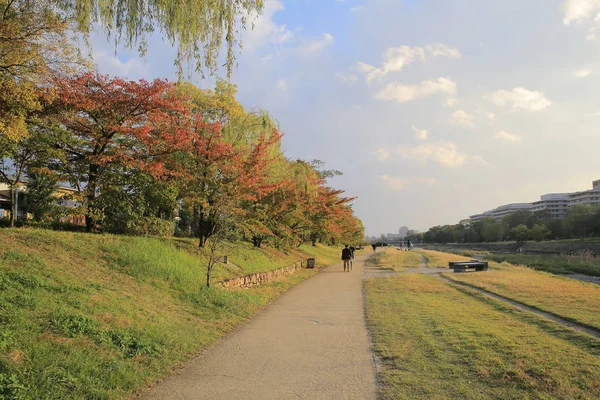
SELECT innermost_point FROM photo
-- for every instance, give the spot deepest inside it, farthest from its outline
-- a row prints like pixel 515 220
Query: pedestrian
pixel 346 257
pixel 408 244
pixel 374 247
pixel 352 249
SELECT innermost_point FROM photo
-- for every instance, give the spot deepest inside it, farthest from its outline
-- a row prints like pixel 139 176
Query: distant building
pixel 63 196
pixel 555 204
pixel 403 232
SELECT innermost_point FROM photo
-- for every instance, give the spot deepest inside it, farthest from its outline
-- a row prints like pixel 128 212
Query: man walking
pixel 346 257
pixel 352 249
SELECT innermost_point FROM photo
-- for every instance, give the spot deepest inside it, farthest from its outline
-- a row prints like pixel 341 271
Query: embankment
pixel 101 316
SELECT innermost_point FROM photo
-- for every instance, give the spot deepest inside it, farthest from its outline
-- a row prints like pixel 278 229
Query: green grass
pixel 100 316
pixel 394 260
pixel 439 342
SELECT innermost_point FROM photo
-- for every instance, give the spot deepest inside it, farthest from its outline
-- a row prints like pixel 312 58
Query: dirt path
pixel 593 332
pixel 312 343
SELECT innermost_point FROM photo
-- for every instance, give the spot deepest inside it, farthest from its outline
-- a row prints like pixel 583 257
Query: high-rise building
pixel 403 231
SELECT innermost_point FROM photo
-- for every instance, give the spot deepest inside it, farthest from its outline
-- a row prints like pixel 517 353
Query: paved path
pixel 311 343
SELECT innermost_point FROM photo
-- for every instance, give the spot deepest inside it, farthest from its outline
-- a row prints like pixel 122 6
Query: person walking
pixel 408 244
pixel 346 257
pixel 352 249
pixel 374 247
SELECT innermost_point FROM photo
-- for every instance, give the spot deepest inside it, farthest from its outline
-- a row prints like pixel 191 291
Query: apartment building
pixel 555 204
pixel 502 211
pixel 586 197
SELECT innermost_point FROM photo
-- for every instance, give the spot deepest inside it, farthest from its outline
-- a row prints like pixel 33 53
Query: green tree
pixel 198 28
pixel 540 232
pixel 520 233
pixel 492 230
pixel 40 197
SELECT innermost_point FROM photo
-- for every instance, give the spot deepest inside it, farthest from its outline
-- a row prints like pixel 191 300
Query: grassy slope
pixel 394 259
pixel 98 317
pixel 437 342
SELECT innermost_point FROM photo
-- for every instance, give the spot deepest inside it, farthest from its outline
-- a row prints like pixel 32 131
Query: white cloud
pixel 133 68
pixel 507 137
pixel 394 183
pixel 577 10
pixel 400 183
pixel 441 153
pixel 357 9
pixel 382 154
pixel 441 50
pixel 265 30
pixel 420 134
pixel 520 99
pixel 346 77
pixel 450 102
pixel 583 73
pixel 316 46
pixel 403 93
pixel 461 117
pixel 396 58
pixel 282 85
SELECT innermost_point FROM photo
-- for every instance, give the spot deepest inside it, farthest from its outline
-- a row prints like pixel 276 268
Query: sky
pixel 434 110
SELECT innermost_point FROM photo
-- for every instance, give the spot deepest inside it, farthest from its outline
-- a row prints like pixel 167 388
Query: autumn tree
pixel 34 42
pixel 110 122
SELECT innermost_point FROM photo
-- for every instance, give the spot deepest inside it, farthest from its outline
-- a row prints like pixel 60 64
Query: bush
pixel 139 226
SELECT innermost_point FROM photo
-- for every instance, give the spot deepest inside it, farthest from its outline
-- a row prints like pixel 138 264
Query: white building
pixel 555 204
pixel 586 197
pixel 506 209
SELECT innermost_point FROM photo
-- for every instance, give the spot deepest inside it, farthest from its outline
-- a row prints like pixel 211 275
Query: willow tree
pixel 197 28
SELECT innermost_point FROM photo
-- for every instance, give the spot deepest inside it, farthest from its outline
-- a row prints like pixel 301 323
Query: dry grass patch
pixel 394 260
pixel 437 342
pixel 438 259
pixel 564 297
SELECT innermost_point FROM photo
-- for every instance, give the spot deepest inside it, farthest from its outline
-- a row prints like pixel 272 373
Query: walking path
pixel 311 343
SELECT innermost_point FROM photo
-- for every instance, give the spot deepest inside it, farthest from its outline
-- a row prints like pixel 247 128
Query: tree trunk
pixel 13 205
pixel 208 277
pixel 90 220
pixel 195 222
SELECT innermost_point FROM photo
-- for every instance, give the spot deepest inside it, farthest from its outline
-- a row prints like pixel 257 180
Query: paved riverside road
pixel 311 343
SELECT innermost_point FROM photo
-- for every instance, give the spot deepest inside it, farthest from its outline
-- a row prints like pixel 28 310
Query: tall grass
pixel 557 264
pixel 148 257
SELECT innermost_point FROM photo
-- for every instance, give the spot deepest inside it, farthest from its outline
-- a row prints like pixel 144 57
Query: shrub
pixel 139 226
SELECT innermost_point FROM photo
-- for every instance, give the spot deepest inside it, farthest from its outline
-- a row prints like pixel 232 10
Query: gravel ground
pixel 585 278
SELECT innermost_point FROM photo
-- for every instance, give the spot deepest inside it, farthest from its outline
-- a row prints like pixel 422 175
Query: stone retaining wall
pixel 260 277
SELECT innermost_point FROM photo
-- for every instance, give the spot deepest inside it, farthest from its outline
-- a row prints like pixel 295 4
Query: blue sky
pixel 433 109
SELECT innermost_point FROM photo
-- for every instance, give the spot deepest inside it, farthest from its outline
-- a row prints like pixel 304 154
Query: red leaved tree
pixel 109 121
